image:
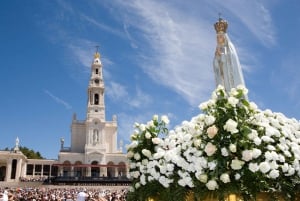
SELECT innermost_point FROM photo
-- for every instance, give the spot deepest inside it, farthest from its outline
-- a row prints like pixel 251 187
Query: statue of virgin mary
pixel 227 68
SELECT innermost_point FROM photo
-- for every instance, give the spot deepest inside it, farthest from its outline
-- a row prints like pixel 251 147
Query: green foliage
pixel 30 153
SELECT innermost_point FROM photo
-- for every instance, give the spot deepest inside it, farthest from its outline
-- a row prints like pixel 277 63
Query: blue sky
pixel 157 59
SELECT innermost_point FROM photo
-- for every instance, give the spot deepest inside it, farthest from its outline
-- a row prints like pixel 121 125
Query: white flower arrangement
pixel 232 148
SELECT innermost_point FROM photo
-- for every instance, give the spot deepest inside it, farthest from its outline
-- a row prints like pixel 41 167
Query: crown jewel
pixel 221 26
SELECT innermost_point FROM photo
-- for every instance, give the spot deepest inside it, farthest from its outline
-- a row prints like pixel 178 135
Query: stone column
pixel 8 169
pixel 42 170
pixel 24 170
pixel 50 171
pixel 89 171
pixel 72 171
pixel 33 171
pixel 19 168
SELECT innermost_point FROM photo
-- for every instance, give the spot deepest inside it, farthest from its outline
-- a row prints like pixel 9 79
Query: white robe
pixel 227 68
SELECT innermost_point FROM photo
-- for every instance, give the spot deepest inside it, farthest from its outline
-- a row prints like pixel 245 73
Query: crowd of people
pixel 63 194
pixel 32 179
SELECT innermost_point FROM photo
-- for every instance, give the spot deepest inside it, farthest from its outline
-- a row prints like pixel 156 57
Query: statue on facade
pixel 227 68
pixel 62 141
pixel 17 145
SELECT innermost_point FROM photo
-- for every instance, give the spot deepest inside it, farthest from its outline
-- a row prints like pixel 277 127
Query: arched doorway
pixel 67 168
pixel 110 170
pixel 122 169
pixel 95 171
pixel 2 173
pixel 78 171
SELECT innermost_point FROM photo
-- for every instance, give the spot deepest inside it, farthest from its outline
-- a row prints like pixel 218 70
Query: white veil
pixel 227 68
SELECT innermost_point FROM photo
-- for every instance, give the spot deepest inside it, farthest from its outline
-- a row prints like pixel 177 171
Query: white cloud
pixel 58 100
pixel 180 54
pixel 141 99
pixel 102 26
pixel 81 55
pixel 118 92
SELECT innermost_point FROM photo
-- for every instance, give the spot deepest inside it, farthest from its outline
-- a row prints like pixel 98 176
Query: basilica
pixel 94 151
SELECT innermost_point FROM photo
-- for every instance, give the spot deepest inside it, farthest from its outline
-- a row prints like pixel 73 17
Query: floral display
pixel 232 147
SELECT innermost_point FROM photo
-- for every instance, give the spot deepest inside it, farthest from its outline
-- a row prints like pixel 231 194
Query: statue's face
pixel 221 39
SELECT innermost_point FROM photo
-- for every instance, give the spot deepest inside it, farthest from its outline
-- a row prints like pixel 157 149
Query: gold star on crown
pixel 97 55
pixel 221 26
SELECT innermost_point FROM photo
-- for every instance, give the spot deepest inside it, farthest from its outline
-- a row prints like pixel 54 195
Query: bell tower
pixel 96 105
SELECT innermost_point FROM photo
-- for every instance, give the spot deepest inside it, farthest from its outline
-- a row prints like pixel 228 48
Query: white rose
pixel 212 165
pixel 148 135
pixel 145 162
pixel 212 131
pixel 233 101
pixel 233 92
pixel 137 156
pixel 143 179
pixel 146 153
pixel 274 174
pixel 210 149
pixel 203 178
pixel 159 153
pixel 156 140
pixel 225 178
pixel 135 174
pixel 155 117
pixel 257 141
pixel 237 176
pixel 165 119
pixel 224 152
pixel 247 155
pixel 256 153
pixel 203 106
pixel 252 135
pixel 142 127
pixel 220 87
pixel 253 167
pixel 232 148
pixel 133 144
pixel 237 164
pixel 197 143
pixel 130 154
pixel 211 103
pixel 285 167
pixel 209 120
pixel 243 88
pixel 137 185
pixel 252 106
pixel 170 167
pixel 264 167
pixel 231 126
pixel 150 123
pixel 212 185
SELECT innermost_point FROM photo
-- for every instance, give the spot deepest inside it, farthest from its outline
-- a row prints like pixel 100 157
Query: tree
pixel 30 153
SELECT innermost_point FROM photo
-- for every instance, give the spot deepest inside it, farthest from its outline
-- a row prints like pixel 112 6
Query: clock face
pixel 96 81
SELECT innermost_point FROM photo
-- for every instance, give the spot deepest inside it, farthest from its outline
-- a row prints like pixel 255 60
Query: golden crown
pixel 97 55
pixel 221 26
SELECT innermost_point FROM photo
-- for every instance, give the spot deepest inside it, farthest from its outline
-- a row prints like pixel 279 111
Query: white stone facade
pixel 93 151
pixel 94 140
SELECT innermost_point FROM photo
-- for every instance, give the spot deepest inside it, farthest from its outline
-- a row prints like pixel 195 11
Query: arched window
pixel 97 70
pixel 96 99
